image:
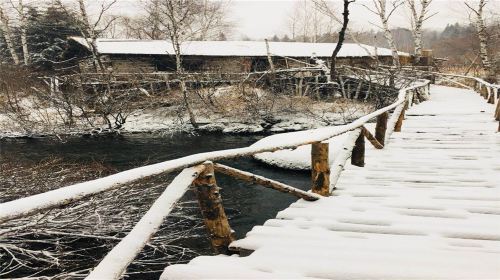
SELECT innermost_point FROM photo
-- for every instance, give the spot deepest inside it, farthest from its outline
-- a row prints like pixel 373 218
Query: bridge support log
pixel 381 127
pixel 320 168
pixel 214 217
pixel 358 153
pixel 399 123
pixel 371 138
pixel 268 183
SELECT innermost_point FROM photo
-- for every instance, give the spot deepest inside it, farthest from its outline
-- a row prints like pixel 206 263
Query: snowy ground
pixel 425 207
pixel 230 114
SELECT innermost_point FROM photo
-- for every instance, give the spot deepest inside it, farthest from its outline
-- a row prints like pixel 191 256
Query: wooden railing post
pixel 497 114
pixel 381 127
pixel 399 123
pixel 214 217
pixel 320 168
pixel 358 153
pixel 491 96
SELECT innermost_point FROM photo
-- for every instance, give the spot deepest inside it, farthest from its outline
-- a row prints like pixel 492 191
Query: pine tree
pixel 48 32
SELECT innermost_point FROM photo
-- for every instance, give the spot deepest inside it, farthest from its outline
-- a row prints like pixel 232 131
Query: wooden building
pixel 149 56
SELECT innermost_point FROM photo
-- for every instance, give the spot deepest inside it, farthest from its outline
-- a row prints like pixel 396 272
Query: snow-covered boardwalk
pixel 425 207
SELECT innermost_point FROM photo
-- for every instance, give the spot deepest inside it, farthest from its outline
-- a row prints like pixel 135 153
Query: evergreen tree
pixel 222 37
pixel 48 32
pixel 285 38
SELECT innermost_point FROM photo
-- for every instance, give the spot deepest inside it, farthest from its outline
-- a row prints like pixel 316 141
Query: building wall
pixel 149 64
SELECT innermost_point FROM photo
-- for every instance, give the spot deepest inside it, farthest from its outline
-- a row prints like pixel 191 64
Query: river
pixel 246 205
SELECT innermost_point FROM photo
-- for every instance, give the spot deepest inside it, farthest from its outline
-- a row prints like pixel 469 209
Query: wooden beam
pixel 320 168
pixel 265 182
pixel 381 127
pixel 210 202
pixel 358 153
pixel 371 138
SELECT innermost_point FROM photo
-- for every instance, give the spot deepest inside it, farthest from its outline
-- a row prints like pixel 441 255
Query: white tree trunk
pixel 7 33
pixel 390 40
pixel 24 27
pixel 381 11
pixel 417 21
pixel 90 36
pixel 483 41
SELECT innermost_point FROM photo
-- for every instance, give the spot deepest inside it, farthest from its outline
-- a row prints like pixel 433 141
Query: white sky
pixel 260 19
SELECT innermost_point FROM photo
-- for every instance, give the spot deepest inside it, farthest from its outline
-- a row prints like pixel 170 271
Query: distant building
pixel 131 56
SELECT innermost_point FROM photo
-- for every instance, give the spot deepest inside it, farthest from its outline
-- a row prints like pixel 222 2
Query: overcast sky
pixel 260 19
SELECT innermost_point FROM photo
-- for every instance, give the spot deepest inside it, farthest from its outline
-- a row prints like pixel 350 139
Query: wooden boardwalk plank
pixel 427 206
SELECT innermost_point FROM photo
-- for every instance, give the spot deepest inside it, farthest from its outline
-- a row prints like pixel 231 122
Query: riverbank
pixel 288 114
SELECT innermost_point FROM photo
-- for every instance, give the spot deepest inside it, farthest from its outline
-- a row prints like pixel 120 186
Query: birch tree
pixel 479 23
pixel 384 10
pixel 8 34
pixel 20 9
pixel 419 10
pixel 179 16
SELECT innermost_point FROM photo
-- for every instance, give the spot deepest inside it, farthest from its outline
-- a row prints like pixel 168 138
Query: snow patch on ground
pixel 300 158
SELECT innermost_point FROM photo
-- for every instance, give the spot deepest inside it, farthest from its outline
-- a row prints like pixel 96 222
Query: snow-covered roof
pixel 232 48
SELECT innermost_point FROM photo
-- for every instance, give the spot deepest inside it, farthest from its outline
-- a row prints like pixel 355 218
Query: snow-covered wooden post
pixel 484 92
pixel 210 202
pixel 381 127
pixel 491 96
pixel 399 123
pixel 320 168
pixel 358 153
pixel 497 114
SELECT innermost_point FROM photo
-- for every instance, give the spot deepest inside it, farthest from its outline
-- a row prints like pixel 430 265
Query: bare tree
pixel 179 16
pixel 479 22
pixel 308 22
pixel 188 19
pixel 418 16
pixel 147 26
pixel 329 11
pixel 342 31
pixel 7 33
pixel 384 12
pixel 92 29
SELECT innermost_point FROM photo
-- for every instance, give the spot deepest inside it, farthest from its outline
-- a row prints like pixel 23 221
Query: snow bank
pixel 299 158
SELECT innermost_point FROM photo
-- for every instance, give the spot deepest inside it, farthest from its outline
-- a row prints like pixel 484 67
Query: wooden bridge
pixel 420 203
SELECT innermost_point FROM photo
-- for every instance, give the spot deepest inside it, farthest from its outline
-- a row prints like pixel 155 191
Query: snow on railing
pixel 198 170
pixel 491 91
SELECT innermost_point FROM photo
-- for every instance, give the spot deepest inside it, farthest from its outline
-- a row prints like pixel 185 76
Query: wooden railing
pixel 489 91
pixel 198 171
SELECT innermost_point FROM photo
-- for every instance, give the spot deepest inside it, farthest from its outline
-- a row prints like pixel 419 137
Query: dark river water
pixel 246 205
